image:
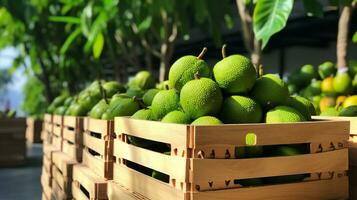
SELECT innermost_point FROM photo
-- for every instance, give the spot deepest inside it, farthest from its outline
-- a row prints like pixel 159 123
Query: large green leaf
pixel 70 40
pixel 270 17
pixel 313 8
pixel 145 24
pixel 354 39
pixel 98 45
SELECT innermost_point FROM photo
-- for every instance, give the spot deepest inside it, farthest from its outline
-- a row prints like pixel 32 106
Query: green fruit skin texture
pixel 354 84
pixel 327 69
pixel 61 110
pixel 304 106
pixel 76 109
pixel 269 90
pixel 135 92
pixel 149 96
pixel 235 74
pixel 97 111
pixel 350 111
pixel 307 73
pixel 122 107
pixel 207 120
pixel 201 97
pixel 177 117
pixel 184 70
pixel 240 109
pixel 342 83
pixel 112 87
pixel 56 102
pixel 144 114
pixel 143 80
pixel 282 114
pixel 164 102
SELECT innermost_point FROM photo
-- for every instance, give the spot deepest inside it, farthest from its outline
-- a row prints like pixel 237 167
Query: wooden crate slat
pixel 47 118
pixel 117 191
pixel 57 120
pixel 102 127
pixel 46 189
pixel 77 194
pixel 57 142
pixel 173 165
pixel 69 135
pixel 352 120
pixel 47 164
pixel 145 185
pixel 70 121
pixel 98 165
pixel 176 134
pixel 353 154
pixel 48 149
pixel 57 130
pixel 64 163
pixel 324 189
pixel 64 183
pixel 58 193
pixel 270 134
pixel 73 129
pixel 231 169
pixel 74 151
pixel 96 186
pixel 46 178
pixel 94 143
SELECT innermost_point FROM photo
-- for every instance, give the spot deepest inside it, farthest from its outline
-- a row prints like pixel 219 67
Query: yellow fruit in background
pixel 340 100
pixel 327 102
pixel 327 86
pixel 350 101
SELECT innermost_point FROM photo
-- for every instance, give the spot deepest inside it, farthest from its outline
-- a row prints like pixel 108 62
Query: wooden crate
pixel 48 150
pixel 63 170
pixel 48 118
pixel 57 192
pixel 12 142
pixel 73 129
pixel 98 146
pixel 46 180
pixel 58 125
pixel 47 131
pixel 33 130
pixel 74 151
pixel 44 197
pixel 117 191
pixel 202 166
pixel 87 184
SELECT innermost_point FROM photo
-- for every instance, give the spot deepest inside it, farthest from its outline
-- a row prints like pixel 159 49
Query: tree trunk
pixel 252 45
pixel 342 36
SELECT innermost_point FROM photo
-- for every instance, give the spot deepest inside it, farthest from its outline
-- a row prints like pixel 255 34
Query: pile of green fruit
pixel 7 113
pixel 333 92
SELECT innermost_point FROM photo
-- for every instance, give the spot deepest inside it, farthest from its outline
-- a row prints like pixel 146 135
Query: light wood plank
pixel 174 134
pixel 269 134
pixel 314 190
pixel 97 145
pixel 205 170
pixel 117 192
pixel 145 185
pixel 173 165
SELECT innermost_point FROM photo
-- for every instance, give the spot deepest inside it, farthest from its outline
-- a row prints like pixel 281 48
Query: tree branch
pixel 144 42
pixel 342 36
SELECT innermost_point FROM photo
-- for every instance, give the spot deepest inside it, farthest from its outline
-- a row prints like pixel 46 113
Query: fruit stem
pixel 260 71
pixel 204 50
pixel 197 76
pixel 224 51
pixel 166 87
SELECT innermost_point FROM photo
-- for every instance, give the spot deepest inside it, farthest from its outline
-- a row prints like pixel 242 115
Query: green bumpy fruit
pixel 76 109
pixel 144 114
pixel 293 89
pixel 184 70
pixel 327 69
pixel 350 111
pixel 143 80
pixel 164 102
pixel 89 100
pixel 201 97
pixel 58 101
pixel 97 111
pixel 149 96
pixel 207 120
pixel 112 87
pixel 240 109
pixel 115 97
pixel 342 83
pixel 163 85
pixel 135 92
pixel 304 106
pixel 282 114
pixel 121 107
pixel 61 110
pixel 269 90
pixel 235 74
pixel 354 84
pixel 177 117
pixel 68 101
pixel 307 73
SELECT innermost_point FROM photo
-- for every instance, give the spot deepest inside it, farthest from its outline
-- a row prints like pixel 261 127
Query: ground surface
pixel 23 183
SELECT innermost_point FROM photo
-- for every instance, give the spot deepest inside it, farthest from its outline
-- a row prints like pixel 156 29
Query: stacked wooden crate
pixel 202 164
pixel 90 177
pixel 33 130
pixel 71 131
pixel 46 133
pixel 12 142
